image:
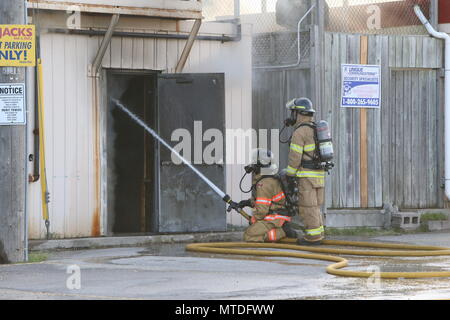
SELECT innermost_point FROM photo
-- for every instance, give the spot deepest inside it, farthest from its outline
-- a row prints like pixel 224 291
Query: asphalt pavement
pixel 167 271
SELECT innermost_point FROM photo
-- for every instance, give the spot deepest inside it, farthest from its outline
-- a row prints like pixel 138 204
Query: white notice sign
pixel 12 104
pixel 361 86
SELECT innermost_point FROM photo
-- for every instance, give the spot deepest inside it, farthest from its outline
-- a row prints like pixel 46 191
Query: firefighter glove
pixel 245 203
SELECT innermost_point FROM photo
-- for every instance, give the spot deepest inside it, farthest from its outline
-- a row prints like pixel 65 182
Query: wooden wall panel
pixel 402 137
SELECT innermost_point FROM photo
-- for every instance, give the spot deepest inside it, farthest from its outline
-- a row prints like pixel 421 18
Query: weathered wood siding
pixel 413 142
pixel 405 137
pixel 271 90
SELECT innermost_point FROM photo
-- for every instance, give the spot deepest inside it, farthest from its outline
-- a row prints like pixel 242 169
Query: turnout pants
pixel 264 231
pixel 311 198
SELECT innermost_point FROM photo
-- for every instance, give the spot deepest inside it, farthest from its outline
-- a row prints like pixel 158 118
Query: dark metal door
pixel 187 203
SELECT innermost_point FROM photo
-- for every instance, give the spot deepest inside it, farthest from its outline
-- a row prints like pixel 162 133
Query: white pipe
pixel 104 45
pixel 446 37
pixel 188 46
pixel 299 58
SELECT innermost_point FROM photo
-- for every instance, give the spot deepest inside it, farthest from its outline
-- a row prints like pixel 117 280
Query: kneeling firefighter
pixel 271 217
pixel 310 155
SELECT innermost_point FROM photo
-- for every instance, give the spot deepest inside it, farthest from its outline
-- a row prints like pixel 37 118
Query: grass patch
pixel 34 257
pixel 433 217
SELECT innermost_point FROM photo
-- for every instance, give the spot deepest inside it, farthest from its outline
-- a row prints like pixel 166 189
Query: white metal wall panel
pixel 71 123
pixel 69 139
pixel 82 134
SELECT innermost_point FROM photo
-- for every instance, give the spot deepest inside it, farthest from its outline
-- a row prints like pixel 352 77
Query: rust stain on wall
pixel 96 224
pixel 96 221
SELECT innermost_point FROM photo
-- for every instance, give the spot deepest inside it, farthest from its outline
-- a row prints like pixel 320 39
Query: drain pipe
pixel 446 37
pixel 188 47
pixel 299 57
pixel 94 69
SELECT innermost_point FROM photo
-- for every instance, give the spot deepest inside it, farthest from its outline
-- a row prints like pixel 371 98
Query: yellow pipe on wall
pixel 44 187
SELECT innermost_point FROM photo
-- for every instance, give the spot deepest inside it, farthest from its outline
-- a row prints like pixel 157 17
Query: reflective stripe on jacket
pixel 273 217
pixel 279 197
pixel 272 235
pixel 315 232
pixel 305 173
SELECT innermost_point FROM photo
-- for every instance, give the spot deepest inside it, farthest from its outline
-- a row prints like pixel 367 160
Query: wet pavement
pixel 168 271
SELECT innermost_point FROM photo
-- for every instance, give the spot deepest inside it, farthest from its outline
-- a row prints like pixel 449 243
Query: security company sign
pixel 17 45
pixel 361 86
pixel 12 104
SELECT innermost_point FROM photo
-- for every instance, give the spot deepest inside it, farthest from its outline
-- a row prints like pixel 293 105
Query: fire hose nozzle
pixel 235 206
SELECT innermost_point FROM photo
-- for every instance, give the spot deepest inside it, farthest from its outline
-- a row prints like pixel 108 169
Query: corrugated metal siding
pixel 69 138
pixel 405 137
pixel 70 121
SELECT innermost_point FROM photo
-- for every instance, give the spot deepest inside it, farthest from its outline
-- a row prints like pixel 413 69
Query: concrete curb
pixel 440 225
pixel 105 242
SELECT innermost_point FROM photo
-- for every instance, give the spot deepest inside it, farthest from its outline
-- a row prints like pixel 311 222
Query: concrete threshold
pixel 354 218
pixel 131 241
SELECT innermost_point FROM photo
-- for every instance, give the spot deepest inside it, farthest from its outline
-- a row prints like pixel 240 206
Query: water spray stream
pixel 222 194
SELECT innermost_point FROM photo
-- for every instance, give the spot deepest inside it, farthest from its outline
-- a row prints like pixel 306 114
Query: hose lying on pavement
pixel 402 250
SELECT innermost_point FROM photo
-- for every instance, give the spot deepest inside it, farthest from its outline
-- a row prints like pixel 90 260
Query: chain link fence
pixel 391 17
pixel 276 40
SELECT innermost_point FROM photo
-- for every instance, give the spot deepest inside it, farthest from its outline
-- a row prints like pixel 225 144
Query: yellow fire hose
pixel 396 250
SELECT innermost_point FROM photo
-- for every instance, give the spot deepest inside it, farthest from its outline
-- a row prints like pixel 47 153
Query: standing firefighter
pixel 270 220
pixel 306 167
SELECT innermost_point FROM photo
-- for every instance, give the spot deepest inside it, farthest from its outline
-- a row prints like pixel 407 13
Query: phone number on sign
pixel 360 102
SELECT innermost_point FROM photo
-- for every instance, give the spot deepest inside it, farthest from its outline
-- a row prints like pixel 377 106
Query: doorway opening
pixel 131 157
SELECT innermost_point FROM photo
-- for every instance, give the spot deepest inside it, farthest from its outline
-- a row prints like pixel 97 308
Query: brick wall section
pixel 444 11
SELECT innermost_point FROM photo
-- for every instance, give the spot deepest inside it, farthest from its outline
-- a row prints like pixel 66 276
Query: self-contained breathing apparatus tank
pixel 324 141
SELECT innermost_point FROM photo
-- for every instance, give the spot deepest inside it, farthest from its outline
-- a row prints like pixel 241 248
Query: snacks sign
pixel 17 45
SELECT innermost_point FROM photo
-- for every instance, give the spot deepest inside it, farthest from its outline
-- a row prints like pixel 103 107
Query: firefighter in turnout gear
pixel 270 220
pixel 304 171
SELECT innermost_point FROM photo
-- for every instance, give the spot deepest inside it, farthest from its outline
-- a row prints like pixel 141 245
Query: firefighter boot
pixel 290 233
pixel 304 242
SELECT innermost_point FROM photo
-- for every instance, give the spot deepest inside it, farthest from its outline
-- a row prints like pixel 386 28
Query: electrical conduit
pixel 446 37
